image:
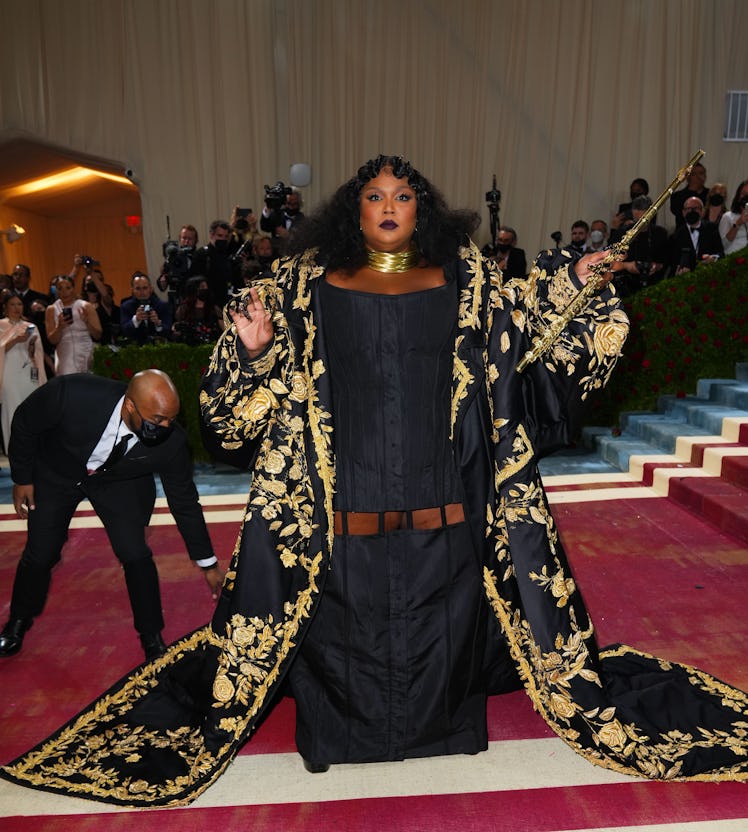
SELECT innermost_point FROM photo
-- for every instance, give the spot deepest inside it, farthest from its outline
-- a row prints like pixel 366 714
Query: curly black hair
pixel 334 228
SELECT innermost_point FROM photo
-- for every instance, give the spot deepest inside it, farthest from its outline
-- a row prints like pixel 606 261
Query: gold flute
pixel 615 252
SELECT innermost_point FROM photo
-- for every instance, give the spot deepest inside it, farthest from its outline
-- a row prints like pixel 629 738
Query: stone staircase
pixel 693 450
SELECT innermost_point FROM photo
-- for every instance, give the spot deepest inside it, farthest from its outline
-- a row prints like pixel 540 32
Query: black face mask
pixel 265 261
pixel 203 294
pixel 716 199
pixel 692 217
pixel 503 247
pixel 151 433
pixel 577 246
pixel 220 245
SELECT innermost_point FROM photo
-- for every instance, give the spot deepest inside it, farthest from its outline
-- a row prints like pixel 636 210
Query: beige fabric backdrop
pixel 208 100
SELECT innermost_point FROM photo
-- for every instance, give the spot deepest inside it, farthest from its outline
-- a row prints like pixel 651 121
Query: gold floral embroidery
pixel 462 378
pixel 522 456
pixel 269 402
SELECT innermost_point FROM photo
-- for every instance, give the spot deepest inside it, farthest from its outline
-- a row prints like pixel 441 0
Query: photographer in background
pixel 244 231
pixel 97 293
pixel 647 255
pixel 177 265
pixel 144 318
pixel 216 264
pixel 282 211
pixel 623 218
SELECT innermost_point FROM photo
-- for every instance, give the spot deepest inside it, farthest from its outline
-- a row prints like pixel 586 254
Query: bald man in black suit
pixel 85 437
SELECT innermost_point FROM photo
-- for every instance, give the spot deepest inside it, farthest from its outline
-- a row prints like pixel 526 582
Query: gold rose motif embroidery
pixel 613 735
pixel 299 388
pixel 223 690
pixel 256 406
pixel 274 462
pixel 609 339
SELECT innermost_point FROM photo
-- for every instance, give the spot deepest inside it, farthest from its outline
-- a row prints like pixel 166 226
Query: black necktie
pixel 118 451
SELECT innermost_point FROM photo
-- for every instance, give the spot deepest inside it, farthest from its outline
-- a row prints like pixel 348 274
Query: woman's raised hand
pixel 583 266
pixel 254 326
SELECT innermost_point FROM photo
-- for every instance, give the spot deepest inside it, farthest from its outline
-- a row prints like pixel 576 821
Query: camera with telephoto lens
pixel 88 262
pixel 275 197
pixel 177 264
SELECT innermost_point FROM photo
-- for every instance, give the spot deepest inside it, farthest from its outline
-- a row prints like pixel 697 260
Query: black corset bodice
pixel 390 360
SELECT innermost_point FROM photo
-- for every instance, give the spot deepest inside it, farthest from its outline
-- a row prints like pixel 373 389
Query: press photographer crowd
pixel 55 333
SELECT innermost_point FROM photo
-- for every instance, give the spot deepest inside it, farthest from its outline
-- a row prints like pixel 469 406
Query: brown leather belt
pixel 380 522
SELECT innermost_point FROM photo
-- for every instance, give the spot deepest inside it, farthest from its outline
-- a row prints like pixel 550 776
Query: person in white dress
pixel 72 327
pixel 21 362
pixel 733 227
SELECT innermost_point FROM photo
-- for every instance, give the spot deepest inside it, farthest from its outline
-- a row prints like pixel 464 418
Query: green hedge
pixel 185 365
pixel 683 329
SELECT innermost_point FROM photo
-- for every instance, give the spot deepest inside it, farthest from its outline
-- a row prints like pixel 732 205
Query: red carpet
pixel 653 576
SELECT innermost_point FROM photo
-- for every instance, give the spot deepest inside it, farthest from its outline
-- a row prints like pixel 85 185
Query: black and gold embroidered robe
pixel 164 733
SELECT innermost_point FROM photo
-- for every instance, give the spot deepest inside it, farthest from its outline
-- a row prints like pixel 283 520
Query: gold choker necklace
pixel 401 261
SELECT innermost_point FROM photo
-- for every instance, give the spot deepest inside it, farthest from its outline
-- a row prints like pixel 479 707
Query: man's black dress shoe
pixel 153 646
pixel 11 638
pixel 315 768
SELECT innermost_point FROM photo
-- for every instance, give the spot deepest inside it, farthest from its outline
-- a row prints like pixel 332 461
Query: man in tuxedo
pixel 215 262
pixel 85 437
pixel 280 223
pixel 33 301
pixel 696 241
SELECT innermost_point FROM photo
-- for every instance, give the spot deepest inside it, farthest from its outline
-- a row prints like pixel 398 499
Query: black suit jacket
pixel 56 429
pixel 146 331
pixel 681 248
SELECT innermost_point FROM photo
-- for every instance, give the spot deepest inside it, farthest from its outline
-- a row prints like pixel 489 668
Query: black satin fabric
pixel 391 666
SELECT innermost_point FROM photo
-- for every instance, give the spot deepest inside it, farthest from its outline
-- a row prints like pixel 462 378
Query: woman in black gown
pixel 397 561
